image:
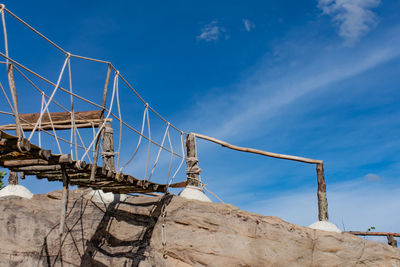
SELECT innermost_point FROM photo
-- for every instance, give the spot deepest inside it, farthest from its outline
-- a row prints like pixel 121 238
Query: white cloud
pixel 210 32
pixel 353 17
pixel 372 177
pixel 355 205
pixel 248 25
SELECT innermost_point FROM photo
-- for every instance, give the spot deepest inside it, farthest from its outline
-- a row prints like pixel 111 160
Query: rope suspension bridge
pixel 84 140
pixel 82 130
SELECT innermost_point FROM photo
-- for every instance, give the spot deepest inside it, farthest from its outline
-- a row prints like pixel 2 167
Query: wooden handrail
pixel 373 233
pixel 257 151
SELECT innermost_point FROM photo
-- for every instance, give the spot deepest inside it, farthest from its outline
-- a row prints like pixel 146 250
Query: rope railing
pixel 76 120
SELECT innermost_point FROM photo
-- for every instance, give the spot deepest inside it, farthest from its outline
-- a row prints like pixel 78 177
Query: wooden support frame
pixel 322 199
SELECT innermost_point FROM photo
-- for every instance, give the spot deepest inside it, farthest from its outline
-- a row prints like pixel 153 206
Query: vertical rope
pixel 102 125
pixel 183 159
pixel 148 148
pixel 83 144
pixel 159 151
pixel 40 124
pixel 18 128
pixel 52 126
pixel 139 141
pixel 172 156
pixel 51 97
pixel 73 129
pixel 120 124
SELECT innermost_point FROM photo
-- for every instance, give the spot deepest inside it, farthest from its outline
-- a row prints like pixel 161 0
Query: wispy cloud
pixel 267 95
pixel 248 25
pixel 355 205
pixel 372 177
pixel 211 32
pixel 353 17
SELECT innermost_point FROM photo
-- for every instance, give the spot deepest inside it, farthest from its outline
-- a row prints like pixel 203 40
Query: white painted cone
pixel 100 197
pixel 16 190
pixel 326 226
pixel 194 192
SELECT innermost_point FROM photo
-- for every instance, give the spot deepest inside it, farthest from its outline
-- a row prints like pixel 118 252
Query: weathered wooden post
pixel 108 148
pixel 322 201
pixel 192 170
pixel 391 241
pixel 13 178
pixel 64 201
pixel 96 152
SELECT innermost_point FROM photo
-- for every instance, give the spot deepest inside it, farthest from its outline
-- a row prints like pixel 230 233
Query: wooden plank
pixel 87 116
pixel 38 168
pixel 24 162
pixel 48 126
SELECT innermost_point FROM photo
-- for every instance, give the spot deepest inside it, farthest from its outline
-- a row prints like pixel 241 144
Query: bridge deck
pixel 45 165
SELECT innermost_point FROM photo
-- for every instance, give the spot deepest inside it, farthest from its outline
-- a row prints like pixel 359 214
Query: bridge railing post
pixel 192 170
pixel 13 178
pixel 96 152
pixel 322 200
pixel 108 148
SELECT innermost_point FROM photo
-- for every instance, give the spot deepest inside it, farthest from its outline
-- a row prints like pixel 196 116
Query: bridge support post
pixel 192 190
pixel 64 202
pixel 391 241
pixel 13 178
pixel 96 153
pixel 108 148
pixel 322 201
pixel 192 170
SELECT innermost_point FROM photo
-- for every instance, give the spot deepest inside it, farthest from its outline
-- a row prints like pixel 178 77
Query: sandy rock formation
pixel 197 233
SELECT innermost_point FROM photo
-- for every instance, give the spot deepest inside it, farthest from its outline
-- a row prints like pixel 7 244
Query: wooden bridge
pixel 96 163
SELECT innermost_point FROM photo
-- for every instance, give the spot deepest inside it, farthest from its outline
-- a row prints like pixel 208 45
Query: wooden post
pixel 391 241
pixel 14 96
pixel 96 152
pixel 192 170
pixel 64 202
pixel 322 201
pixel 108 148
pixel 13 178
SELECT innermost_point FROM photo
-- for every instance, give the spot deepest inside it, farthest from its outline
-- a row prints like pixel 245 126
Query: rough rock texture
pixel 197 234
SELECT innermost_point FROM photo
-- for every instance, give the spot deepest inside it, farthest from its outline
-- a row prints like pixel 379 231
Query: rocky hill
pixel 129 233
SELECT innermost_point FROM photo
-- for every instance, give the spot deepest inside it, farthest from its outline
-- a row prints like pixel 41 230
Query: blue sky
pixel 318 79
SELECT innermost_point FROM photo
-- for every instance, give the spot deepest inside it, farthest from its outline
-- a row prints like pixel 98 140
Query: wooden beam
pixel 63 117
pixel 24 162
pixel 58 125
pixel 257 151
pixel 373 233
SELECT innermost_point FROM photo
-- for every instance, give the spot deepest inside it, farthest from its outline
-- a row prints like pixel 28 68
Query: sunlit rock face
pixel 196 233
